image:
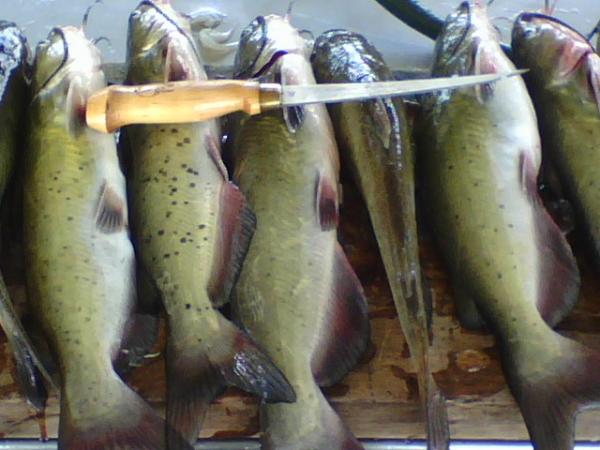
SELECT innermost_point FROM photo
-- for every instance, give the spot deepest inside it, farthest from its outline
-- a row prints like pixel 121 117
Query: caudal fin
pixel 551 393
pixel 112 418
pixel 197 373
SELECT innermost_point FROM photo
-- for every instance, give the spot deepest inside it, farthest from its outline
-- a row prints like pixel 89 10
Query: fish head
pixel 469 44
pixel 556 54
pixel 159 45
pixel 64 56
pixel 263 42
pixel 13 47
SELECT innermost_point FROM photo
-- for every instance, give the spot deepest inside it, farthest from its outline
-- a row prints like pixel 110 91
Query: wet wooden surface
pixel 379 398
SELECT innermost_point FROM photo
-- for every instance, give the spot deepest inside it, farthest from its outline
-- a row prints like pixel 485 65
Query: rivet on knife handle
pixel 176 102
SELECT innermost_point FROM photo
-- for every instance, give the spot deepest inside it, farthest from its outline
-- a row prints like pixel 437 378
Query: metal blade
pixel 342 92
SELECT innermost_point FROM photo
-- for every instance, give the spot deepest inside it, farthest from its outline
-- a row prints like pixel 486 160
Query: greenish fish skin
pixel 564 80
pixel 80 261
pixel 192 228
pixel 297 294
pixel 509 262
pixel 376 143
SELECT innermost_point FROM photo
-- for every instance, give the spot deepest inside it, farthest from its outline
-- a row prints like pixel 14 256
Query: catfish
pixel 510 265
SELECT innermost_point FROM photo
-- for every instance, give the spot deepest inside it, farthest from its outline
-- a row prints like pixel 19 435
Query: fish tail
pixel 550 393
pixel 438 431
pixel 197 374
pixel 330 433
pixel 112 417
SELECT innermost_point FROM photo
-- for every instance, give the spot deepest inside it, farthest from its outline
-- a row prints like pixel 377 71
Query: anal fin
pixel 559 280
pixel 347 333
pixel 236 227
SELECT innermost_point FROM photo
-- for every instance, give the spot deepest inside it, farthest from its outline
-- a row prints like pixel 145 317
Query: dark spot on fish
pixel 55 178
pixel 183 240
pixel 185 202
pixel 80 167
pixel 162 130
pixel 179 144
pixel 450 167
pixel 174 130
pixel 168 214
pixel 476 184
pixel 174 202
pixel 201 226
pixel 205 238
pixel 174 179
pixel 501 206
pixel 188 306
pixel 192 185
pixel 161 232
pixel 69 218
pixel 186 140
pixel 499 275
pixel 495 230
pixel 167 255
pixel 183 166
pixel 591 183
pixel 190 170
pixel 510 225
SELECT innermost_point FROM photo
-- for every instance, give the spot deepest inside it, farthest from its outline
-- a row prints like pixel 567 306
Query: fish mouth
pixel 56 31
pixel 272 61
pixel 530 17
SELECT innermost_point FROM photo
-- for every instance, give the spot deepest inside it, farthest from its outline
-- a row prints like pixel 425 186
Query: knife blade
pixel 191 101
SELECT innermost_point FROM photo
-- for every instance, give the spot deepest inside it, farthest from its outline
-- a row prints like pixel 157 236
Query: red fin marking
pixel 236 227
pixel 197 373
pixel 140 338
pixel 559 278
pixel 111 213
pixel 347 331
pixel 327 204
pixel 594 76
pixel 176 69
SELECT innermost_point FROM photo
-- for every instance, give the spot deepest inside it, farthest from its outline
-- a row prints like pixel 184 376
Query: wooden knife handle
pixel 175 102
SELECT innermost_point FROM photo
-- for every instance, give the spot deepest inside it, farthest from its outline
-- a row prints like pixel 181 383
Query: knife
pixel 191 101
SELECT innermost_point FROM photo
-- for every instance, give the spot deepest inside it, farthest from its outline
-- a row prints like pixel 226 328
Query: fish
pixel 14 78
pixel 510 265
pixel 192 228
pixel 297 294
pixel 80 265
pixel 564 82
pixel 375 140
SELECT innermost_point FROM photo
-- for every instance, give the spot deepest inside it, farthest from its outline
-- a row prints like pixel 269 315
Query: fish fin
pixel 140 338
pixel 111 211
pixel 132 423
pixel 176 69
pixel 347 333
pixel 236 228
pixel 329 433
pixel 483 65
pixel 28 362
pixel 326 202
pixel 197 373
pixel 214 151
pixel 560 280
pixel 467 311
pixel 75 107
pixel 551 393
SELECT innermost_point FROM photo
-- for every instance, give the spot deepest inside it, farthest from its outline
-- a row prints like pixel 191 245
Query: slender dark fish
pixel 297 294
pixel 192 228
pixel 564 80
pixel 375 141
pixel 80 261
pixel 14 67
pixel 510 264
